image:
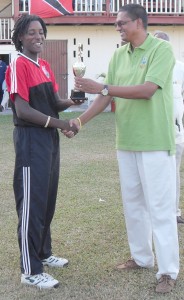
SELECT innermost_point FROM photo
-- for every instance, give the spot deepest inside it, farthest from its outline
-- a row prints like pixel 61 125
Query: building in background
pixel 91 24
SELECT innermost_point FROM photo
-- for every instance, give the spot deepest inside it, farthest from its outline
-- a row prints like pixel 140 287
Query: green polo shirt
pixel 144 125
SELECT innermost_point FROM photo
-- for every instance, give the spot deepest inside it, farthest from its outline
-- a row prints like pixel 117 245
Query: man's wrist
pixel 105 90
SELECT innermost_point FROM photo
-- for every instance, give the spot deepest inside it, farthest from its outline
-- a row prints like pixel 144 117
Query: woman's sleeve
pixel 16 80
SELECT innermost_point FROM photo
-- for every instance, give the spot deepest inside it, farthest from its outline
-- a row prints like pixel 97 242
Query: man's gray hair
pixel 162 35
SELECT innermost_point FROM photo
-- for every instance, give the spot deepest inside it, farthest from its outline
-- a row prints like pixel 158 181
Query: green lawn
pixel 88 227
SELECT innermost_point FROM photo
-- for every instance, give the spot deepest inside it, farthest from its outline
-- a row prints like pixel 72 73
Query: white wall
pixel 8 49
pixel 103 42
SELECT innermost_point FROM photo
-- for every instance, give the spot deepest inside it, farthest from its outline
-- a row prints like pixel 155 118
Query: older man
pixel 178 96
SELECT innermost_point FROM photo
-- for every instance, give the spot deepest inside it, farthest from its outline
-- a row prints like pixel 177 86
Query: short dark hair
pixel 136 11
pixel 21 27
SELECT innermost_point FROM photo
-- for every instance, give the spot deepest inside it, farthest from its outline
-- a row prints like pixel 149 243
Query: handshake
pixel 70 127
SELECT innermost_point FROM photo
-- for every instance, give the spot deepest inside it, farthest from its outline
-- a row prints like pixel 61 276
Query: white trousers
pixel 179 152
pixel 148 185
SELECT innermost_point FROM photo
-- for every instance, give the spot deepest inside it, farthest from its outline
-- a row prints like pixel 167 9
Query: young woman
pixel 35 105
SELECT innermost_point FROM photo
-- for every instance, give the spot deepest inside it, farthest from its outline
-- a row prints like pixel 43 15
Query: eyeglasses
pixel 121 23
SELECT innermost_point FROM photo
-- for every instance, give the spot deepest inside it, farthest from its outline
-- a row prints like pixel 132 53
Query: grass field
pixel 88 227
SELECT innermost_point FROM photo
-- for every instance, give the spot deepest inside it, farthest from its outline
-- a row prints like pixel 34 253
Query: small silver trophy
pixel 79 69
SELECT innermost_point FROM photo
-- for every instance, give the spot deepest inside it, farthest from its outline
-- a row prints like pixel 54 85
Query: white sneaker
pixel 54 261
pixel 42 281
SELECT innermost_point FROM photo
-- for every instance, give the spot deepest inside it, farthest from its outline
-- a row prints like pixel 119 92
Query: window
pixel 23 5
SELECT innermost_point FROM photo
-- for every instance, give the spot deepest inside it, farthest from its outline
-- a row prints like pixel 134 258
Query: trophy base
pixel 78 96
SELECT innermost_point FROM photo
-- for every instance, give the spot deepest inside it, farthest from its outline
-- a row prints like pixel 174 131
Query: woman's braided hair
pixel 21 27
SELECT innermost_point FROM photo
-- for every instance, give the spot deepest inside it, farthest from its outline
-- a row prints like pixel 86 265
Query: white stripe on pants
pixel 148 184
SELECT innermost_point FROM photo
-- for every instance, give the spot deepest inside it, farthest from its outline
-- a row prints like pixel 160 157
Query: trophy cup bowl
pixel 79 69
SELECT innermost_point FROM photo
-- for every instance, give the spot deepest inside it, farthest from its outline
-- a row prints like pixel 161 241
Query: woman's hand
pixel 74 123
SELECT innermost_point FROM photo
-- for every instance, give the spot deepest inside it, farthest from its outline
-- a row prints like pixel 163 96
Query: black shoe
pixel 180 220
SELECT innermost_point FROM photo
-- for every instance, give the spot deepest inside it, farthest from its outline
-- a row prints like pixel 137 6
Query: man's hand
pixel 88 85
pixel 73 123
pixel 69 129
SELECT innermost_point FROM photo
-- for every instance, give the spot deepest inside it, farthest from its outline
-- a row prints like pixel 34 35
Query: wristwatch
pixel 105 90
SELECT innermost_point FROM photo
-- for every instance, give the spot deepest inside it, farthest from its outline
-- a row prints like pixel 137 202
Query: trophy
pixel 79 69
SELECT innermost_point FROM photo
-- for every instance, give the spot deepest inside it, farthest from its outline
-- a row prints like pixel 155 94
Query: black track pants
pixel 35 187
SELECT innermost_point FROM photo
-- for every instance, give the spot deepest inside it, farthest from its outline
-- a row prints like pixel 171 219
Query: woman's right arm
pixel 26 112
